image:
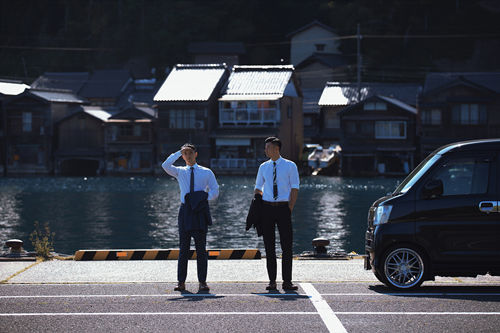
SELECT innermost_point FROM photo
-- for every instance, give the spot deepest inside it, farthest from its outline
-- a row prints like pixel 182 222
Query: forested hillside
pixel 401 38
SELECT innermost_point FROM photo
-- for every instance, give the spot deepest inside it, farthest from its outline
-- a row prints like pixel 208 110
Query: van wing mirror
pixel 432 189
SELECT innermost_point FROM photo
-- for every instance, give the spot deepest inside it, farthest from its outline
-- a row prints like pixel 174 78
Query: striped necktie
pixel 191 185
pixel 275 185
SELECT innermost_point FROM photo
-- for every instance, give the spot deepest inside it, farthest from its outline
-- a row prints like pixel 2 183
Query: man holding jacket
pixel 278 183
pixel 197 185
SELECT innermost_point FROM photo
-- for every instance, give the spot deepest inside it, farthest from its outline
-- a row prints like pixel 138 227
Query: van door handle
pixel 488 206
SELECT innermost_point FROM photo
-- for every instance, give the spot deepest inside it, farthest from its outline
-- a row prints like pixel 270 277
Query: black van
pixel 442 220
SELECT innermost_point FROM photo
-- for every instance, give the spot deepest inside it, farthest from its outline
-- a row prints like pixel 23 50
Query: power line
pixel 53 48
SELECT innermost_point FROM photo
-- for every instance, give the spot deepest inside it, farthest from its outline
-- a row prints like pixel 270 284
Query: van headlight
pixel 382 214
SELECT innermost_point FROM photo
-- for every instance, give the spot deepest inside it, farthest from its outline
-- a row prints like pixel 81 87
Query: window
pixel 27 121
pixel 375 106
pixel 137 130
pixel 125 130
pixel 469 114
pixel 431 117
pixel 390 130
pixel 367 128
pixel 308 121
pixel 182 119
pixel 464 176
pixel 320 47
pixel 350 127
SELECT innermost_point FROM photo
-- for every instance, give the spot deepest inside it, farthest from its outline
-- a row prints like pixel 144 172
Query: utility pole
pixel 359 62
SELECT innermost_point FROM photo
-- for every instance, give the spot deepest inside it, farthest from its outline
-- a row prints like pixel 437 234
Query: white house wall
pixel 304 43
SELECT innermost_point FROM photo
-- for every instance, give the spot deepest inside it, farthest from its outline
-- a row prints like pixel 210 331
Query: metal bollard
pixel 16 246
pixel 320 245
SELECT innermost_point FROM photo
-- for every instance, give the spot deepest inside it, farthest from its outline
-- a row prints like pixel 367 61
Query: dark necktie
pixel 191 185
pixel 275 185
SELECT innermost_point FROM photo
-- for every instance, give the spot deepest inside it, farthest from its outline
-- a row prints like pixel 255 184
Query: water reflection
pixel 141 212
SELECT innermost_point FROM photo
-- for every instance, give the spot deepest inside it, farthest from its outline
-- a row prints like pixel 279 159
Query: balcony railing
pixel 246 116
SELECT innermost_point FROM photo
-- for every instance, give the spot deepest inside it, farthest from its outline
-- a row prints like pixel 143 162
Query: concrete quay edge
pixel 221 271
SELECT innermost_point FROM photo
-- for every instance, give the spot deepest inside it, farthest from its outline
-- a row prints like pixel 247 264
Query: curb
pixel 161 254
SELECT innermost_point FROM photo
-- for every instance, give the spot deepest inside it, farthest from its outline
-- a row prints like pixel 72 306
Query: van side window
pixel 464 176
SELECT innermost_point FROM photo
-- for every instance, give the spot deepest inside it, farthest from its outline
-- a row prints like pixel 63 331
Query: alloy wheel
pixel 404 268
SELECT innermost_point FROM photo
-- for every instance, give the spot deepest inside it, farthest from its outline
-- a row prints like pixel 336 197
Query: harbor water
pixel 141 212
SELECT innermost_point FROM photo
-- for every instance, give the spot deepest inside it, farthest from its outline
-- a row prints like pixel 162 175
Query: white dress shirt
pixel 204 178
pixel 287 177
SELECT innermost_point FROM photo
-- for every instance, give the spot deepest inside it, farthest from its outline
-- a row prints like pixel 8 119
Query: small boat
pixel 322 158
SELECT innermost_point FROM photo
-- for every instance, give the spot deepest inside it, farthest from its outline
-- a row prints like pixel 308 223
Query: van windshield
pixel 417 173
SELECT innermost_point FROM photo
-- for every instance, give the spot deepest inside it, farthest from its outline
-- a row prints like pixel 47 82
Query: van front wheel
pixel 403 268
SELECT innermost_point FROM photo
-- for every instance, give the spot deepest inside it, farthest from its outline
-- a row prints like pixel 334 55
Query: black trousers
pixel 282 217
pixel 200 242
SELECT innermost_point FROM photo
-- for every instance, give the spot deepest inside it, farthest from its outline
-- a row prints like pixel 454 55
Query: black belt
pixel 275 203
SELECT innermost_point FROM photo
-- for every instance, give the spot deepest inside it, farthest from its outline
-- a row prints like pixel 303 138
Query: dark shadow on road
pixel 476 293
pixel 289 296
pixel 194 297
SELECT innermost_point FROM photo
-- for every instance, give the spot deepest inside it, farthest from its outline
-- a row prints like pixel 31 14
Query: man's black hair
pixel 189 145
pixel 274 140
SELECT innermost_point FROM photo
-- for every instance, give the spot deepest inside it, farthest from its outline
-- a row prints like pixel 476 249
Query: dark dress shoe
pixel 271 286
pixel 289 286
pixel 181 286
pixel 203 287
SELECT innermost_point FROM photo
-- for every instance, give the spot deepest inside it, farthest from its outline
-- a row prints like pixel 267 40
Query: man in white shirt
pixel 197 185
pixel 278 183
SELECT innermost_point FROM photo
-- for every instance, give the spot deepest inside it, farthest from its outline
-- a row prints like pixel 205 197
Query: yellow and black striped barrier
pixel 171 254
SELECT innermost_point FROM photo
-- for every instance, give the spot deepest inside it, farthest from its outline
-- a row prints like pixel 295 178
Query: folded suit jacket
pixel 195 214
pixel 254 217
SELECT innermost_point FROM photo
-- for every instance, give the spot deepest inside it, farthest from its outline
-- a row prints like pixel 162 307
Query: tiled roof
pixel 12 88
pixel 216 48
pixel 399 104
pixel 257 82
pixel 490 80
pixel 106 83
pixel 389 100
pixel 100 113
pixel 190 83
pixel 134 112
pixel 307 26
pixel 59 96
pixel 73 81
pixel 336 93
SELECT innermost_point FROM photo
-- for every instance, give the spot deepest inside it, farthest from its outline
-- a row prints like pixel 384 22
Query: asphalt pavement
pixel 138 296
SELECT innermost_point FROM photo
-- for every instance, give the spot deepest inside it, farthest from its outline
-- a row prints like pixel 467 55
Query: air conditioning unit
pixel 199 124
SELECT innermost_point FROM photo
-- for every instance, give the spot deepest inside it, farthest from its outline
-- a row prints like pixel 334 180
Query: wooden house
pixel 458 106
pixel 257 102
pixel 315 54
pixel 378 137
pixel 8 89
pixel 107 87
pixel 80 143
pixel 30 119
pixel 311 38
pixel 337 96
pixel 187 108
pixel 129 140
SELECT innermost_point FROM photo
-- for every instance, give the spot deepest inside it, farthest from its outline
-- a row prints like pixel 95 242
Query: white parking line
pixel 150 313
pixel 246 295
pixel 423 313
pixel 411 294
pixel 332 329
pixel 329 318
pixel 150 295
